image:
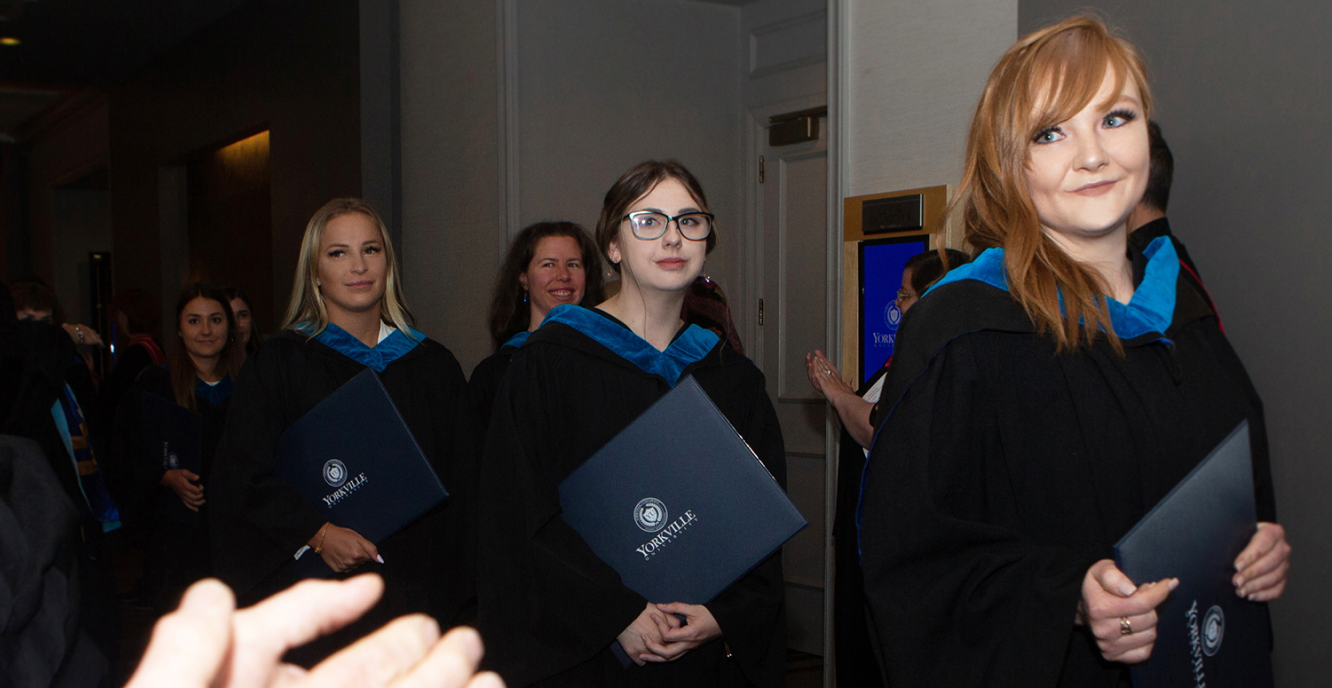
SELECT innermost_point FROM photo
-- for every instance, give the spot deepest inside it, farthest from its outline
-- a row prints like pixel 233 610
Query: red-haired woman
pixel 1046 396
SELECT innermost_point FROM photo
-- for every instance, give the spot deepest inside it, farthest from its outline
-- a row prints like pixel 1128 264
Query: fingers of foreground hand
pixel 385 657
pixel 188 645
pixel 294 617
pixel 451 662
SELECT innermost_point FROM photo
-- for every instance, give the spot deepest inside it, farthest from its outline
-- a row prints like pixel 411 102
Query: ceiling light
pixel 9 40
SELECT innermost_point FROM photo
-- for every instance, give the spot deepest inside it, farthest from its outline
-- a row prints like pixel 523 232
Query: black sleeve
pixel 258 521
pixel 751 612
pixel 955 600
pixel 136 469
pixel 547 602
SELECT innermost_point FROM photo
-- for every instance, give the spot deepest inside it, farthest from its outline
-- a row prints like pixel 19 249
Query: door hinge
pixel 761 175
pixel 760 312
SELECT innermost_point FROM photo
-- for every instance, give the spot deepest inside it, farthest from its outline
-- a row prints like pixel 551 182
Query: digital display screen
pixel 881 264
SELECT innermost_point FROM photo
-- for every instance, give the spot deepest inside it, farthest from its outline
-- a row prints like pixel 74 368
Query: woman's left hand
pixel 823 375
pixel 700 627
pixel 1263 565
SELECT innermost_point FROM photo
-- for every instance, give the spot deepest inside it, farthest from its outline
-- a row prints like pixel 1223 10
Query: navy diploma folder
pixel 177 433
pixel 176 430
pixel 677 503
pixel 355 461
pixel 1206 634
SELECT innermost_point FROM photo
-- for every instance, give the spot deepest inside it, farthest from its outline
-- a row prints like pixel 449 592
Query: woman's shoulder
pixel 155 379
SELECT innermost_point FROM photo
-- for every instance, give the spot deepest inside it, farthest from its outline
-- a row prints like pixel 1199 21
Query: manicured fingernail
pixel 379 558
pixel 1174 583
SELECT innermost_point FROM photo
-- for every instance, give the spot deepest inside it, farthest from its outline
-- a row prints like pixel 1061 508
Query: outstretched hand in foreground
pixel 208 642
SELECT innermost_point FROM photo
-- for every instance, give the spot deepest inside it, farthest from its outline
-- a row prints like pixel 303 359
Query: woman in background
pixel 346 314
pixel 1046 396
pixel 550 610
pixel 167 502
pixel 549 264
pixel 246 333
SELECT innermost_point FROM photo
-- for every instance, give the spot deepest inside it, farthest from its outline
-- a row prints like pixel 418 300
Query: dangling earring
pixel 524 296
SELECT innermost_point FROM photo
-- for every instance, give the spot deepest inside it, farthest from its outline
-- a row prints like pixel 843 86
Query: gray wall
pixel 451 221
pixel 1243 98
pixel 912 72
pixel 603 86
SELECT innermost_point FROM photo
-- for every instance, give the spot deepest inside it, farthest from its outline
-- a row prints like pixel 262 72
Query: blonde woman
pixel 346 314
pixel 1046 396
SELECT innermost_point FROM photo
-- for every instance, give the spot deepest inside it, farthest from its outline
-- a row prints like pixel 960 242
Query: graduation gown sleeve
pixel 955 597
pixel 259 522
pixel 752 612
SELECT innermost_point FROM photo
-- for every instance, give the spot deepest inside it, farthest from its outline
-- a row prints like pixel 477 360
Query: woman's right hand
pixel 1121 615
pixel 181 482
pixel 343 549
pixel 634 638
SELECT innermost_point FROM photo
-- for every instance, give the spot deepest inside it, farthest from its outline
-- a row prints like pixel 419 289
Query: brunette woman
pixel 550 610
pixel 1046 396
pixel 347 314
pixel 198 376
pixel 243 308
pixel 548 265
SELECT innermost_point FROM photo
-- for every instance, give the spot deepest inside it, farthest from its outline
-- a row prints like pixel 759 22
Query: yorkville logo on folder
pixel 650 515
pixel 336 474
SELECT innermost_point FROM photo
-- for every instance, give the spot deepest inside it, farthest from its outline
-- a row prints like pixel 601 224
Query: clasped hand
pixel 658 635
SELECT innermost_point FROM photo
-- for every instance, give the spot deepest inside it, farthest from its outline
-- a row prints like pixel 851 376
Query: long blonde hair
pixel 306 313
pixel 1046 78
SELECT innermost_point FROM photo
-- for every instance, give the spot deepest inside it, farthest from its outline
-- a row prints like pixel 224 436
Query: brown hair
pixel 930 266
pixel 306 312
pixel 256 337
pixel 509 314
pixel 1046 78
pixel 184 375
pixel 30 293
pixel 637 183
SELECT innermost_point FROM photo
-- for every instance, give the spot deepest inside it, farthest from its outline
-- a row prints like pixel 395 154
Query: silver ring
pixel 827 372
pixel 1125 628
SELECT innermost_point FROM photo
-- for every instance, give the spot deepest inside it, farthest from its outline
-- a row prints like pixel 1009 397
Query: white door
pixel 791 282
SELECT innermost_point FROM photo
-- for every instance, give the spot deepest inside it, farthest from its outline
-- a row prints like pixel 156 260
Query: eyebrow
pixel 690 209
pixel 202 315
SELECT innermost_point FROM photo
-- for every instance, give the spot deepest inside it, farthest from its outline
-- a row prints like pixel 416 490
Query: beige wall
pixel 451 223
pixel 912 73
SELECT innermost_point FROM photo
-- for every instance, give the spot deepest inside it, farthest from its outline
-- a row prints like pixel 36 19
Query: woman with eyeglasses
pixel 550 610
pixel 1046 396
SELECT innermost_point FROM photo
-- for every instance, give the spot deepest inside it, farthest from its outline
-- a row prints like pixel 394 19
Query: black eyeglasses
pixel 649 225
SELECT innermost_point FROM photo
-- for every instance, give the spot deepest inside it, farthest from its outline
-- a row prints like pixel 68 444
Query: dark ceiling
pixel 95 43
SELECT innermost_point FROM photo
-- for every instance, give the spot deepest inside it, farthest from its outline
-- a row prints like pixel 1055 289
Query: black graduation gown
pixel 549 608
pixel 259 522
pixel 148 505
pixel 486 376
pixel 1005 470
